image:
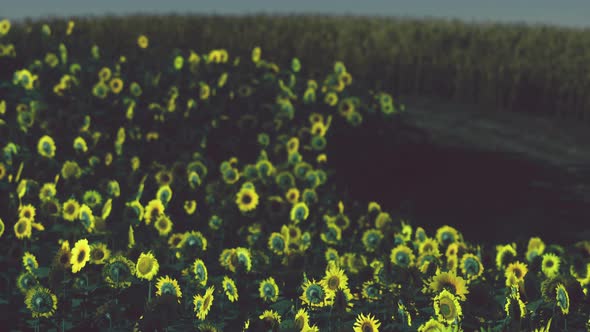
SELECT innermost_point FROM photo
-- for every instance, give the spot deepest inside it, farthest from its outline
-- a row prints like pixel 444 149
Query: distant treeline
pixel 516 67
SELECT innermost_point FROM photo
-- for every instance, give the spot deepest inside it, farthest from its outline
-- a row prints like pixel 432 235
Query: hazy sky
pixel 562 12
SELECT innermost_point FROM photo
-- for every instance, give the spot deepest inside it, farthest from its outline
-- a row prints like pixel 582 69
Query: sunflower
pixel 153 210
pixel 200 271
pixel 147 266
pixel 2 227
pixel 429 245
pixel 4 26
pixel 87 218
pixel 471 266
pixel 41 301
pixel 27 211
pixel 46 147
pixel 446 235
pixel 80 145
pixel 163 224
pixel 432 325
pixel 271 318
pixel 562 299
pixel 536 247
pixel 335 279
pixel 71 170
pixel 268 290
pixel 316 294
pixel 63 256
pixel 447 307
pixel 190 207
pixel 92 198
pixel 26 281
pixel 247 199
pixel 80 255
pixel 402 256
pixel 134 210
pixel 515 273
pixel 371 239
pixel 366 323
pixel 30 262
pixel 203 303
pixel 242 258
pixel 277 243
pixel 550 265
pixel 118 272
pixel 301 319
pixel 515 307
pixel 164 194
pixel 142 41
pixel 292 195
pixel 505 254
pixel 23 228
pixel 47 191
pixel 116 85
pixel 193 239
pixel 167 285
pixel 383 218
pixel 299 212
pixel 229 287
pixel 448 281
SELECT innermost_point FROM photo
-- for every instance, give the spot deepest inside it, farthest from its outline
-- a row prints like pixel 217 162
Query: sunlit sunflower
pixel 550 265
pixel 199 270
pixel 301 319
pixel 118 272
pixel 153 210
pixel 292 195
pixel 471 266
pixel 203 303
pixel 147 266
pixel 163 225
pixel 366 323
pixel 316 293
pixel 268 290
pixel 23 228
pixel 335 278
pixel 446 307
pixel 169 286
pixel 247 199
pixel 562 299
pixel 229 287
pixel 27 211
pixel 116 85
pixel 402 256
pixel 70 210
pixel 449 281
pixel 41 302
pixel 515 273
pixel 80 255
pixel 30 262
pixel 46 147
pixel 142 41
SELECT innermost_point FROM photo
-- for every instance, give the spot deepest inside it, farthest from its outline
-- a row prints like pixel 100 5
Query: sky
pixel 574 13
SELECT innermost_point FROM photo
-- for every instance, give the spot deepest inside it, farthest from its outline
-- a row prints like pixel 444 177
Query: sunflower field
pixel 145 187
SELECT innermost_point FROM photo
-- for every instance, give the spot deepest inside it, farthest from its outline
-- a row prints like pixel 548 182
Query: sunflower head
pixel 450 282
pixel 268 290
pixel 118 272
pixel 562 299
pixel 46 147
pixel 247 199
pixel 229 287
pixel 271 320
pixel 26 281
pixel 167 285
pixel 335 279
pixel 316 294
pixel 23 228
pixel 41 302
pixel 402 256
pixel 199 270
pixel 471 266
pixel 80 255
pixel 371 239
pixel 163 225
pixel 147 266
pixel 550 265
pixel 366 323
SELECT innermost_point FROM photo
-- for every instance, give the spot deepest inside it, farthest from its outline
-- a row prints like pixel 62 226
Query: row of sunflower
pixel 203 181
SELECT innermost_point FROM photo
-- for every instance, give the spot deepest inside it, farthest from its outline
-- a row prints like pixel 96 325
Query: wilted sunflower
pixel 247 199
pixel 550 265
pixel 46 147
pixel 118 272
pixel 449 281
pixel 167 285
pixel 366 323
pixel 268 290
pixel 446 307
pixel 229 287
pixel 41 301
pixel 147 266
pixel 80 255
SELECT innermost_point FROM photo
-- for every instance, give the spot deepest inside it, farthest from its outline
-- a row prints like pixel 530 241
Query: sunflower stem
pixel 149 291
